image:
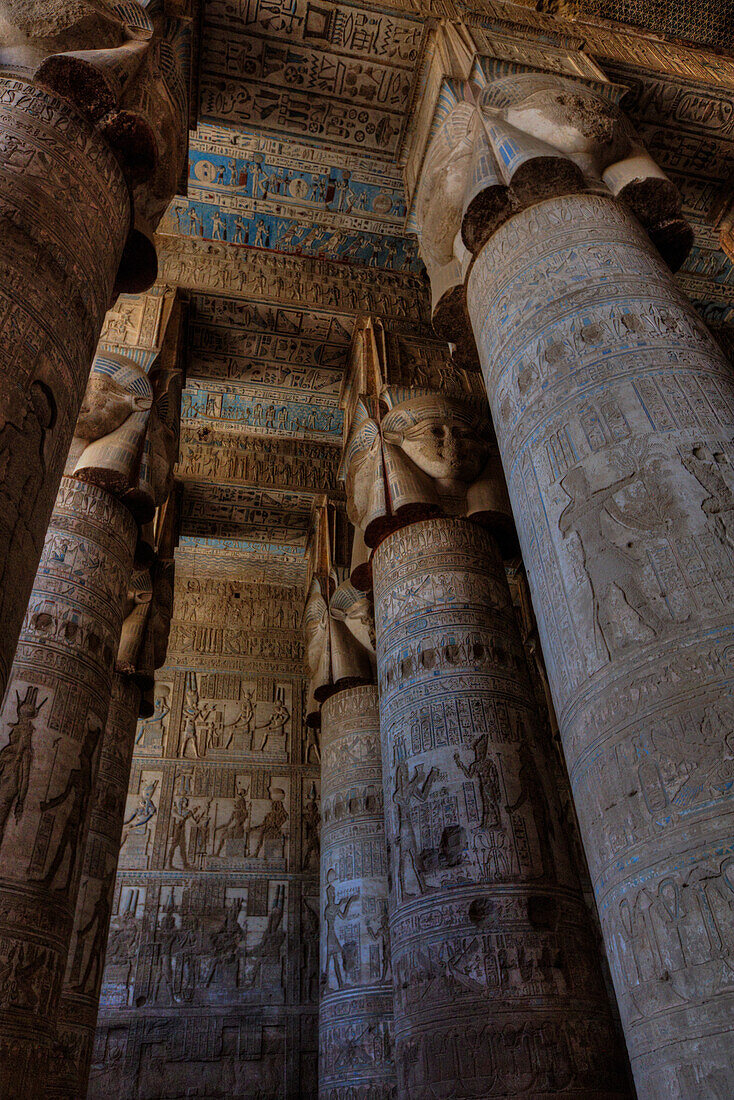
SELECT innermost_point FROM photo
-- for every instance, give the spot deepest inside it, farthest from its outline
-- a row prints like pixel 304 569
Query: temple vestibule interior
pixel 366 550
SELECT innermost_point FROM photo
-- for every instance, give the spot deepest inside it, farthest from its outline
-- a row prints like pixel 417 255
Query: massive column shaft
pixel 52 723
pixel 355 1010
pixel 497 986
pixel 64 213
pixel 614 410
pixel 79 1002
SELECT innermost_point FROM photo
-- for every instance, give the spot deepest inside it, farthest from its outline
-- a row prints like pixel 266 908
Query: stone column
pixel 52 722
pixel 79 1002
pixel 629 549
pixel 150 430
pixel 498 989
pixel 92 140
pixel 356 1003
pixel 356 994
pixel 56 707
pixel 65 215
pixel 614 410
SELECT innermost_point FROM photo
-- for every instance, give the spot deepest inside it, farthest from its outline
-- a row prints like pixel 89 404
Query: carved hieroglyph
pixel 211 974
pixel 65 214
pixel 614 410
pixel 355 1009
pixel 79 1002
pixel 123 65
pixel 142 648
pixel 103 122
pixel 51 725
pixel 498 989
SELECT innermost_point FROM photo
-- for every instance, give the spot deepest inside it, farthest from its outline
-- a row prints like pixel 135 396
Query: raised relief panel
pixel 274 279
pixel 141 819
pixel 216 728
pixel 123 946
pixel 150 737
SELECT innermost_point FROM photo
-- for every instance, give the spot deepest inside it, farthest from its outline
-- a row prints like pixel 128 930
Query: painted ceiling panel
pixel 247 171
pixel 258 412
pixel 231 559
pixel 212 222
pixel 295 218
pixel 708 22
pixel 264 516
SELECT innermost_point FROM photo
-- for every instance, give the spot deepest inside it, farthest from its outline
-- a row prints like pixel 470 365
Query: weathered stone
pixel 356 1004
pixel 498 990
pixel 53 719
pixel 65 215
pixel 79 1001
pixel 613 407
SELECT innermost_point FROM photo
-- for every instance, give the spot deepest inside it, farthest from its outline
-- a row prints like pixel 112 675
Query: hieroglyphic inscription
pixel 52 726
pixel 65 213
pixel 355 1011
pixel 614 413
pixel 469 813
pixel 273 278
pixel 291 67
pixel 218 881
pixel 255 460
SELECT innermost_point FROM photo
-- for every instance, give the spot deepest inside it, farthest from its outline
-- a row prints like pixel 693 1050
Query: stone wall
pixel 211 982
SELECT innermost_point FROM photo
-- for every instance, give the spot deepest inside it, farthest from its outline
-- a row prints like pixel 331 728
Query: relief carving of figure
pixel 180 815
pixel 100 922
pixel 623 613
pixel 23 466
pixel 16 757
pixel 381 936
pixel 484 769
pixel 271 826
pixel 237 827
pixel 532 793
pixel 270 947
pixel 311 818
pixel 195 715
pixel 276 723
pixel 712 470
pixel 409 858
pixel 334 911
pixel 143 813
pixel 153 728
pixel 76 793
pixel 310 951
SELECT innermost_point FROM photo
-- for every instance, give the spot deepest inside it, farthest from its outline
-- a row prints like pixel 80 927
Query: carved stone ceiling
pixel 294 224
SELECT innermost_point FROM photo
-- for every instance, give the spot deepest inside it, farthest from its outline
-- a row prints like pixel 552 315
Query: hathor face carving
pixel 445 439
pixel 444 448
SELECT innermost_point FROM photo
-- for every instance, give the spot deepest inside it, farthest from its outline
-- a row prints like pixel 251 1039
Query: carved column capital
pixel 518 140
pixel 340 643
pixel 418 453
pixel 124 68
